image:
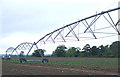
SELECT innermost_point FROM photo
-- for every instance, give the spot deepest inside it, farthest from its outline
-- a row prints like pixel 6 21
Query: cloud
pixel 15 39
pixel 29 20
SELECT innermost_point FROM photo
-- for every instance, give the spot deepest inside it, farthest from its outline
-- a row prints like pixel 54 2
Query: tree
pixel 60 51
pixel 81 54
pixel 115 47
pixel 77 51
pixel 108 52
pixel 54 54
pixel 101 50
pixel 94 51
pixel 37 54
pixel 86 49
pixel 71 52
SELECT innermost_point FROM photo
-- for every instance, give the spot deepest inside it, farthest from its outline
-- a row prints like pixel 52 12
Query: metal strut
pixel 38 49
pixel 72 29
pixel 113 23
pixel 30 49
pixel 92 23
pixel 73 33
pixel 91 30
pixel 99 14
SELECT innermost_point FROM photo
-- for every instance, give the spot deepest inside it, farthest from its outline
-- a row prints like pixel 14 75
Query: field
pixel 62 66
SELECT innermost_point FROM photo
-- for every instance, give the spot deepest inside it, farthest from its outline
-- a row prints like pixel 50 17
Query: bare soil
pixel 9 68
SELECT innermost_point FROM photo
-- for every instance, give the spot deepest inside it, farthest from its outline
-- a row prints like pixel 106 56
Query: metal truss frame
pixel 52 36
pixel 10 49
pixel 26 46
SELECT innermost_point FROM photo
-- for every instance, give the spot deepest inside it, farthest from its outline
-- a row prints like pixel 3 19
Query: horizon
pixel 48 54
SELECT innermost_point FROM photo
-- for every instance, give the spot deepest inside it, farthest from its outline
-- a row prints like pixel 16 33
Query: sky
pixel 29 20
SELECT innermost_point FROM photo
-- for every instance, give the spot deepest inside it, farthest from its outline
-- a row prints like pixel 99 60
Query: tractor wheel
pixel 20 61
pixel 8 59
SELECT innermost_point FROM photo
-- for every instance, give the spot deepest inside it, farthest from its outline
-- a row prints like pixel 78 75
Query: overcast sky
pixel 29 20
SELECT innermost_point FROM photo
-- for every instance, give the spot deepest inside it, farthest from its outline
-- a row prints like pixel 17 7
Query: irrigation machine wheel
pixel 3 58
pixel 8 59
pixel 44 60
pixel 22 60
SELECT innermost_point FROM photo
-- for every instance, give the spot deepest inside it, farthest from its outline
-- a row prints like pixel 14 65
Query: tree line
pixel 112 50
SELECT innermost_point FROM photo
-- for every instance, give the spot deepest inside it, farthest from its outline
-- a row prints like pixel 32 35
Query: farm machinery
pixel 20 53
pixel 8 57
pixel 71 32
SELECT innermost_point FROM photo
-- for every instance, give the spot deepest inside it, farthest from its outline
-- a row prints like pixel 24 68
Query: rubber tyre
pixel 23 60
pixel 45 61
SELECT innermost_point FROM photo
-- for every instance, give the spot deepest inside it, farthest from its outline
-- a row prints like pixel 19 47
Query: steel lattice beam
pixel 71 27
pixel 10 49
pixel 97 16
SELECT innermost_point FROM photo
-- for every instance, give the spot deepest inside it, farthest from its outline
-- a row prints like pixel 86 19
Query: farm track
pixel 73 69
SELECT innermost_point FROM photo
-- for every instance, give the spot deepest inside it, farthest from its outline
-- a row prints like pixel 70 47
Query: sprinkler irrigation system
pixel 86 28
